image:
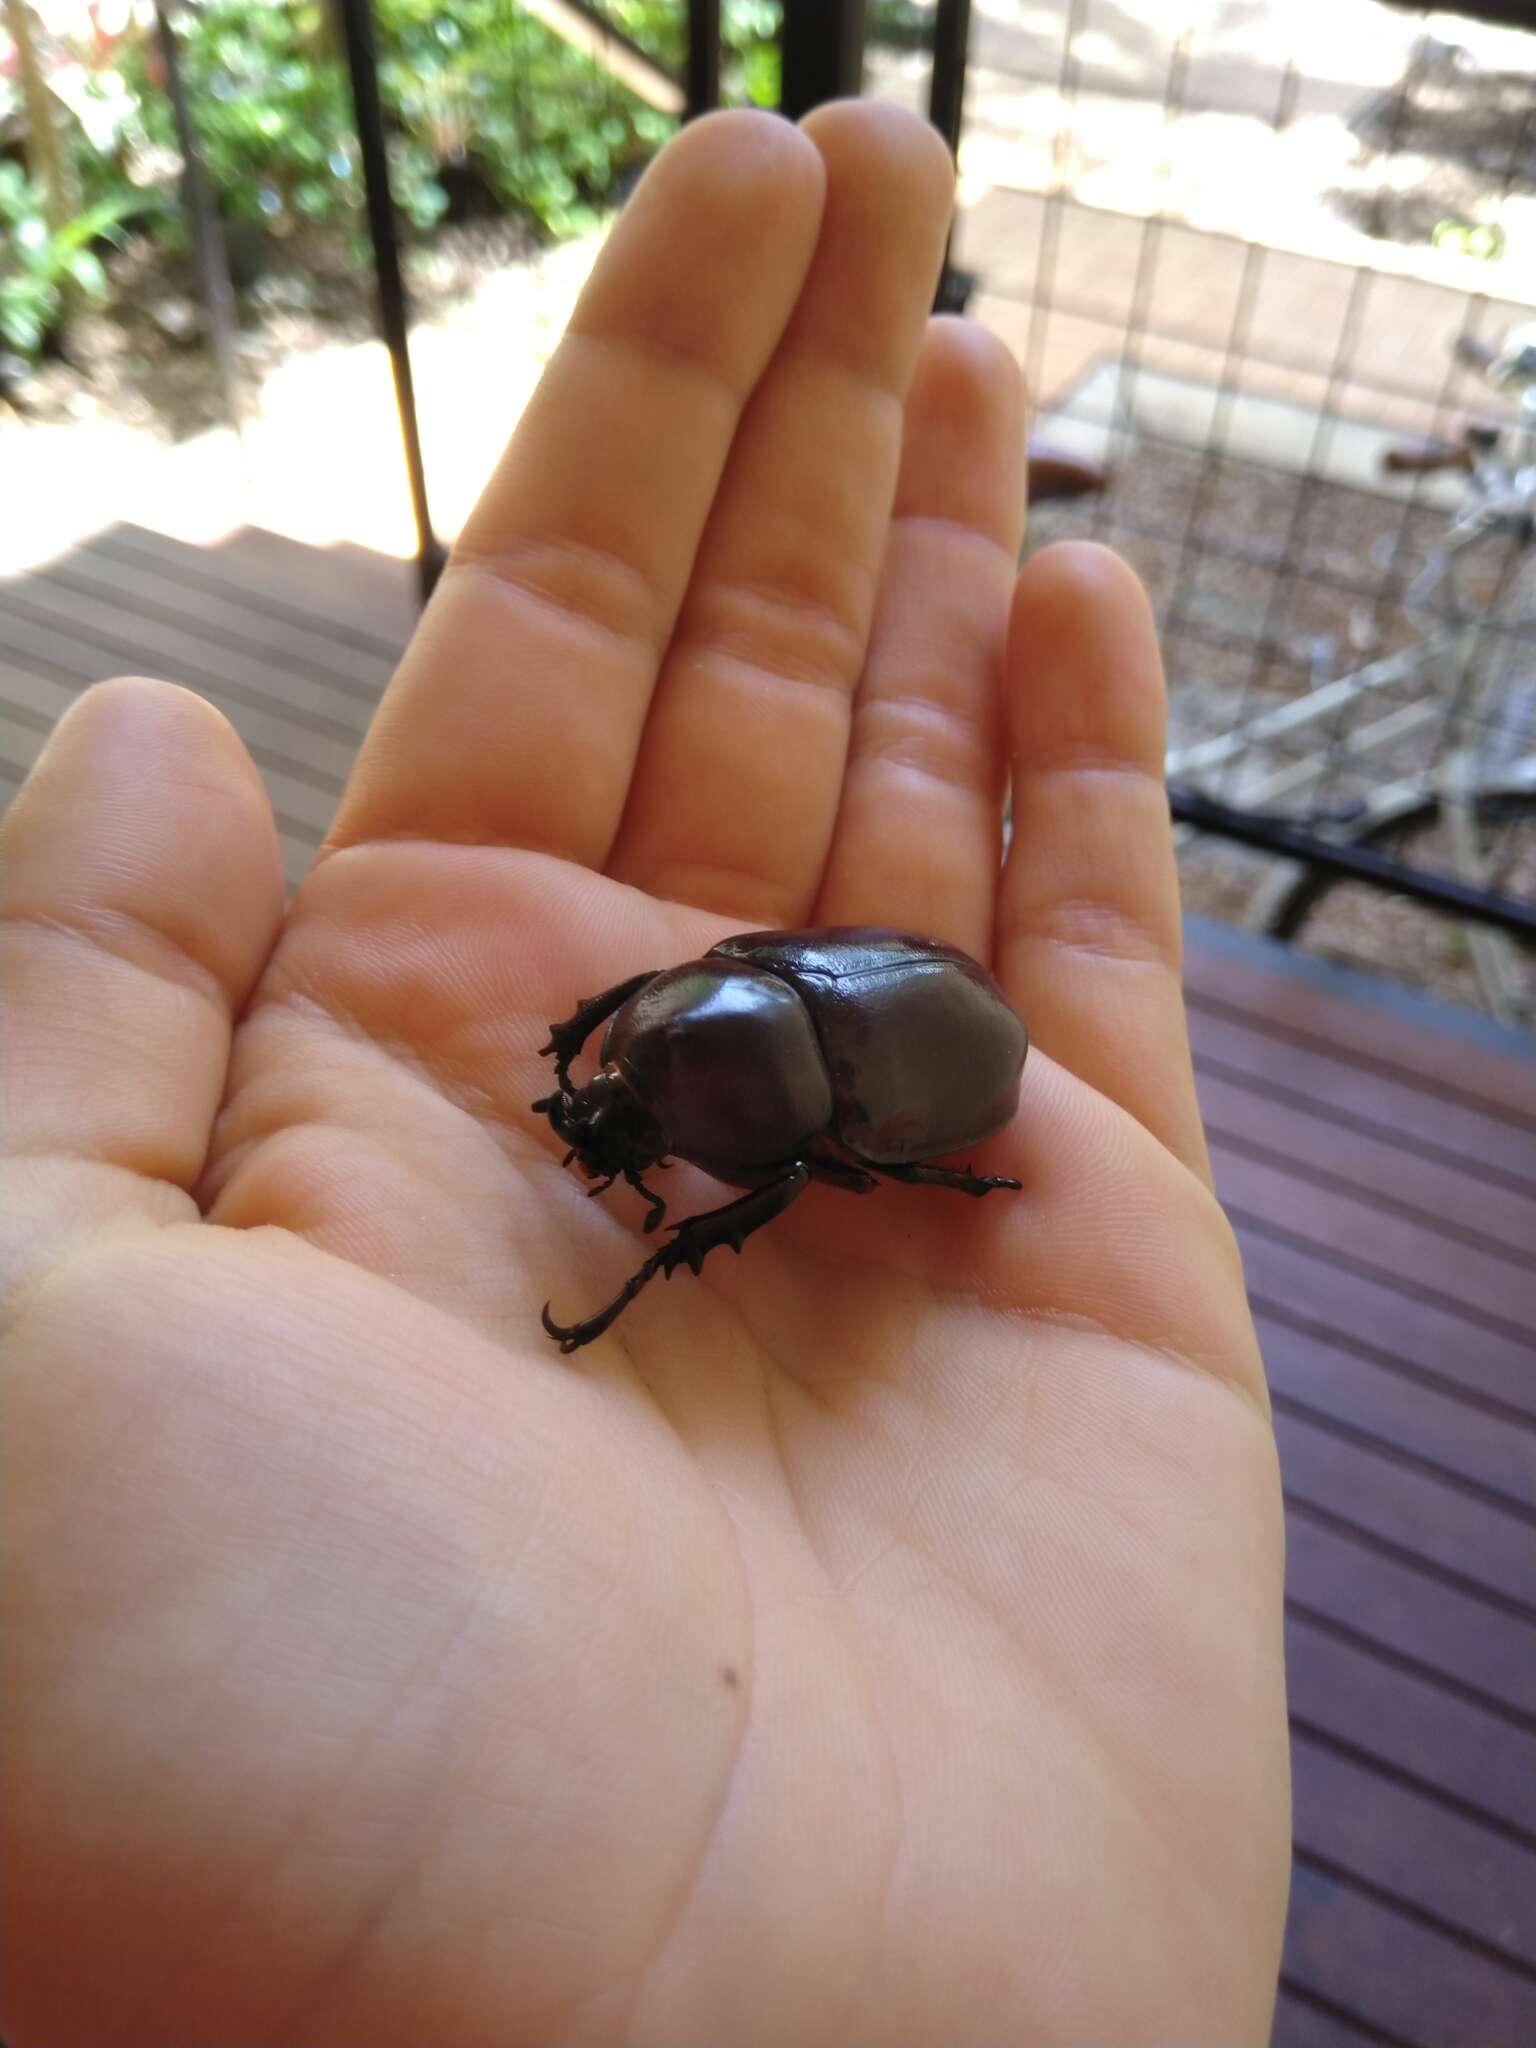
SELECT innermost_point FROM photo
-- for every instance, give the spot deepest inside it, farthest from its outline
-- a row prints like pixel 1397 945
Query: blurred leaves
pixel 39 264
pixel 487 111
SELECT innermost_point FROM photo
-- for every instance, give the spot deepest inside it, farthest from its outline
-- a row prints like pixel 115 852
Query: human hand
pixel 874 1640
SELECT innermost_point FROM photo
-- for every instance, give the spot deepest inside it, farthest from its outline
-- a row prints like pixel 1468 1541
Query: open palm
pixel 873 1640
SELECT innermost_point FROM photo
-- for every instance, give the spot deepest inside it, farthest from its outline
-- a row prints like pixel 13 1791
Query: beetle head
pixel 607 1128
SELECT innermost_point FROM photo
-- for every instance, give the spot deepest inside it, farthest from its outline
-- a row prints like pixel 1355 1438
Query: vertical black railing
pixel 394 318
pixel 207 233
pixel 356 17
pixel 823 53
pixel 946 110
pixel 946 86
pixel 703 56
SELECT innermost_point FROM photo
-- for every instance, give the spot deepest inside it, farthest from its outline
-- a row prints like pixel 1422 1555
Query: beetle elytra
pixel 781 1058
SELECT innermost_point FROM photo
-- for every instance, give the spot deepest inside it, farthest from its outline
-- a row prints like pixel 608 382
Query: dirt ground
pixel 146 361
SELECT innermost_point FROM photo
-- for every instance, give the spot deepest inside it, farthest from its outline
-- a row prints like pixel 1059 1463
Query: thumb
pixel 140 895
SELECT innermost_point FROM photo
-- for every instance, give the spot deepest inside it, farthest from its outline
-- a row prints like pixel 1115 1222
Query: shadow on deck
pixel 1379 1163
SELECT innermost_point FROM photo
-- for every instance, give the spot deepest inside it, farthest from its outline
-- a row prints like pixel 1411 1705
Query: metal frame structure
pixel 1190 539
pixel 823 53
pixel 823 57
pixel 394 313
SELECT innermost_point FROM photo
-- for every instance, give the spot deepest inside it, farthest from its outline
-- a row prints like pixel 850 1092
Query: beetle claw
pixel 561 1332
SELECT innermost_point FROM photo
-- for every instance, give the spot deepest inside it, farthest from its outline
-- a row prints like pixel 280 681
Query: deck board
pixel 1311 1377
pixel 1418 1725
pixel 1380 1170
pixel 1447 1122
pixel 1486 1214
pixel 1293 1280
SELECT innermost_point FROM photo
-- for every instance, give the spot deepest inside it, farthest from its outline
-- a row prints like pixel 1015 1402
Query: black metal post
pixel 946 85
pixel 703 57
pixel 823 53
pixel 1360 863
pixel 946 110
pixel 394 317
pixel 1506 13
pixel 207 228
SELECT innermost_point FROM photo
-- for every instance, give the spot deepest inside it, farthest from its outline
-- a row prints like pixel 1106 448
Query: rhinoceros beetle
pixel 778 1059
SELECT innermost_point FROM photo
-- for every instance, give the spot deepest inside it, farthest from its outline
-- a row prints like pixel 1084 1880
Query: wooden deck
pixel 1380 1167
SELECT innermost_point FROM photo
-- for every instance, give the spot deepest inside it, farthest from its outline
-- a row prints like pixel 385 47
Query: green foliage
pixel 749 32
pixel 902 24
pixel 473 90
pixel 40 267
pixel 273 116
pixel 464 83
pixel 478 82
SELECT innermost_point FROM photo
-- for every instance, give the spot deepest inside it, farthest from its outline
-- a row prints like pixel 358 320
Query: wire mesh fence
pixel 1273 283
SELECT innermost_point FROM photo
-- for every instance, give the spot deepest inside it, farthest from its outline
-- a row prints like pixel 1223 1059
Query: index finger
pixel 516 713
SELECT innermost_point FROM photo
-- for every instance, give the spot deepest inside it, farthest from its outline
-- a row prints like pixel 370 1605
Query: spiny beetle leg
pixel 567 1039
pixel 964 1180
pixel 571 1336
pixel 692 1241
pixel 733 1224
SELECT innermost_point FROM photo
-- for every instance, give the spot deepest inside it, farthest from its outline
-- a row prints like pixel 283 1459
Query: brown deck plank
pixel 1413 1979
pixel 368 591
pixel 1382 1596
pixel 1413 1722
pixel 1488 1288
pixel 1309 1284
pixel 340 593
pixel 49 619
pixel 1465 1204
pixel 1302 2020
pixel 1487 1546
pixel 1470 1876
pixel 1481 1135
pixel 1295 1013
pixel 224 617
pixel 1451 1434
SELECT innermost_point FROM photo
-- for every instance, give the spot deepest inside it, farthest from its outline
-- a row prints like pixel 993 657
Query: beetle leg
pixel 567 1039
pixel 658 1207
pixel 692 1241
pixel 735 1222
pixel 837 1173
pixel 967 1182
